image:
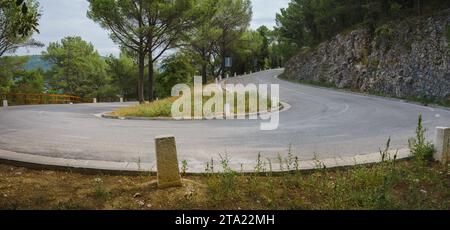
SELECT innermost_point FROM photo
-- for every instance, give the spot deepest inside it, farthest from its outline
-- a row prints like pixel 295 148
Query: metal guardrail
pixel 36 99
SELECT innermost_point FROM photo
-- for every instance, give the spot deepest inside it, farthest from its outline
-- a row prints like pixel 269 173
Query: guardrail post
pixel 5 103
pixel 167 162
pixel 442 144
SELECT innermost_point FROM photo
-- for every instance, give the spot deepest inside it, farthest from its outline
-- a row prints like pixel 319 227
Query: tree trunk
pixel 151 78
pixel 205 69
pixel 141 78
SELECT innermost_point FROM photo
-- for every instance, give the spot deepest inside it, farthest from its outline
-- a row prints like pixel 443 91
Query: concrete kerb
pixel 131 168
pixel 282 108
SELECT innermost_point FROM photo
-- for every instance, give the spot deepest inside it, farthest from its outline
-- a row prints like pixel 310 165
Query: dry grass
pixel 404 185
pixel 162 108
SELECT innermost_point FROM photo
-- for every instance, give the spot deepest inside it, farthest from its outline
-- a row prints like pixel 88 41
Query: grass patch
pixel 389 185
pixel 162 108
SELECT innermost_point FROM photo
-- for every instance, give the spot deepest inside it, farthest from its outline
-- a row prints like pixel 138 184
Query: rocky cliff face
pixel 410 58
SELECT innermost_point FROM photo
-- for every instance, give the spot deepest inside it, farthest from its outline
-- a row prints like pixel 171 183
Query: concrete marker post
pixel 167 162
pixel 5 103
pixel 94 101
pixel 121 100
pixel 227 110
pixel 442 145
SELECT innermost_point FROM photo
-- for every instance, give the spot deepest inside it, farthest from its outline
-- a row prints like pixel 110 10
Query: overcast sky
pixel 63 18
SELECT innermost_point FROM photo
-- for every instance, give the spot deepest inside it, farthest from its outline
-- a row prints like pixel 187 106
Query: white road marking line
pixel 77 137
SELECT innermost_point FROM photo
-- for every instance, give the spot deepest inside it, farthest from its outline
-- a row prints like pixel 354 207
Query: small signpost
pixel 228 62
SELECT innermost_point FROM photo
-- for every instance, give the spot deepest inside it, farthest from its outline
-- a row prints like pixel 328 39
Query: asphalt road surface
pixel 321 123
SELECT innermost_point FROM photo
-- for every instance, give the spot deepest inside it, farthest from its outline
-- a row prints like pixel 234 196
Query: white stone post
pixel 228 75
pixel 94 101
pixel 167 162
pixel 5 103
pixel 227 110
pixel 121 100
pixel 235 74
pixel 442 144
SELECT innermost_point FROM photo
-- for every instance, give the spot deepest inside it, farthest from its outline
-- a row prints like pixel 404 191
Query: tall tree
pixel 165 22
pixel 232 19
pixel 147 28
pixel 77 67
pixel 263 58
pixel 125 20
pixel 124 75
pixel 202 38
pixel 18 21
pixel 10 66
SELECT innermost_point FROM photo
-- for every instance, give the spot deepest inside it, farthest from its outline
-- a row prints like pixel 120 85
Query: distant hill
pixel 37 62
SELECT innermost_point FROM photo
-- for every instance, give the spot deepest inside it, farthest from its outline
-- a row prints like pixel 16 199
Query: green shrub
pixel 421 149
pixel 383 36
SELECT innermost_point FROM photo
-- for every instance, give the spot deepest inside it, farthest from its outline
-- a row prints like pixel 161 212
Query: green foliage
pixel 309 22
pixel 383 35
pixel 77 68
pixel 14 78
pixel 421 149
pixel 124 75
pixel 176 69
pixel 10 66
pixel 217 34
pixel 146 29
pixel 18 21
pixel 389 185
pixel 28 81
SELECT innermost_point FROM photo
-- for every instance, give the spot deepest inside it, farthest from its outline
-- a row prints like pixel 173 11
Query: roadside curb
pixel 282 108
pixel 134 168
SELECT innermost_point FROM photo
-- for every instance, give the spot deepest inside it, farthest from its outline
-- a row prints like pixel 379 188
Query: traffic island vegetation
pixel 416 183
pixel 163 108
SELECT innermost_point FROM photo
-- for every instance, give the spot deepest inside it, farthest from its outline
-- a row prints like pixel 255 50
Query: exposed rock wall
pixel 410 58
